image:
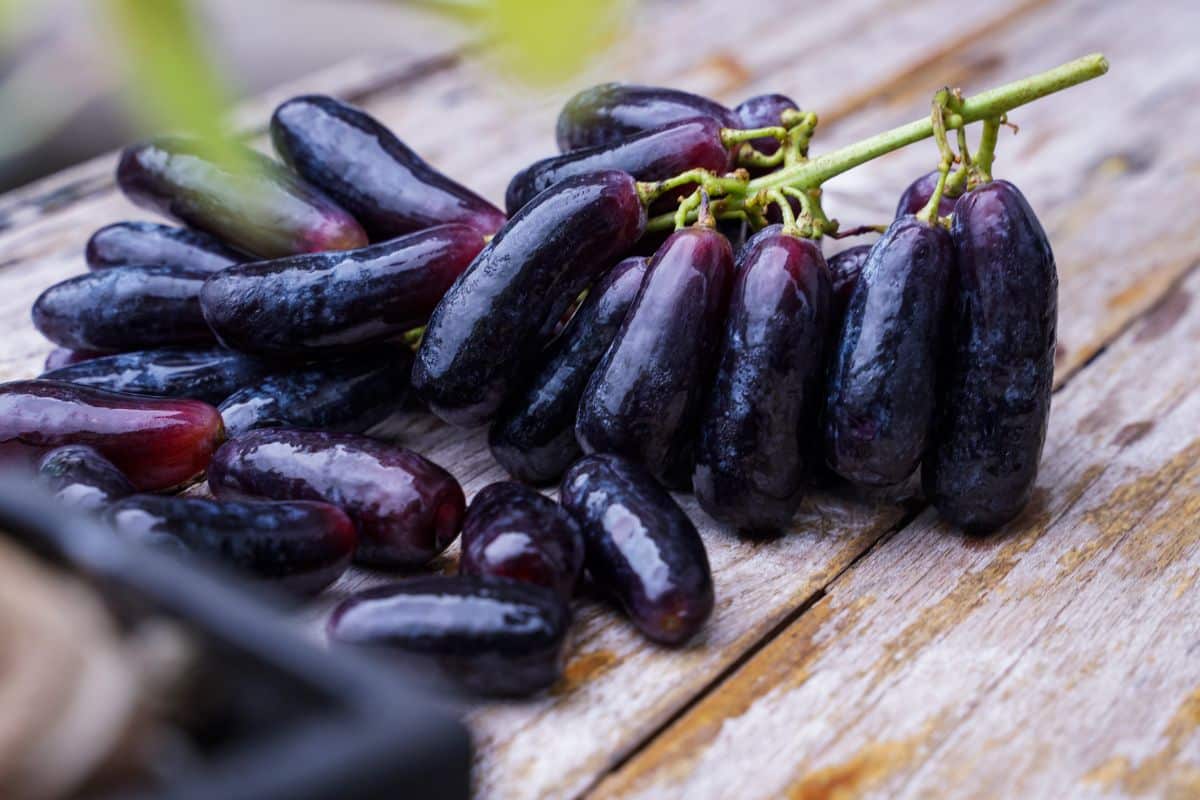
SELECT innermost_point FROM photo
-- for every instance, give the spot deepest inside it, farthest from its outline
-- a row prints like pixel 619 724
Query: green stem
pixel 987 105
pixel 986 152
pixel 732 136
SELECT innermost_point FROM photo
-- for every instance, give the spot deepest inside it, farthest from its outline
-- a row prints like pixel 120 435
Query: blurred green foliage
pixel 544 41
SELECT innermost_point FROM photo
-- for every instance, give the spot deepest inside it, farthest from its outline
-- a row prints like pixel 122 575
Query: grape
pixel 644 398
pixel 61 357
pixel 761 413
pixel 999 371
pixel 494 636
pixel 209 374
pixel 610 112
pixel 533 436
pixel 254 205
pixel 347 396
pixel 918 193
pixel 300 546
pixel 845 268
pixel 157 443
pixel 320 305
pixel 124 308
pixel 81 478
pixel 406 508
pixel 883 379
pixel 374 175
pixel 641 548
pixel 764 111
pixel 148 244
pixel 512 531
pixel 648 156
pixel 492 324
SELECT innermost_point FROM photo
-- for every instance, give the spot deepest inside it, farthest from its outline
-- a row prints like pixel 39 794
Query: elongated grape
pixel 845 269
pixel 492 324
pixel 124 308
pixel 610 112
pixel 764 111
pixel 917 195
pixel 374 175
pixel 533 436
pixel 512 531
pixel 883 379
pixel 157 443
pixel 648 156
pixel 347 396
pixel 643 400
pixel 493 636
pixel 641 548
pixel 300 546
pixel 148 244
pixel 253 204
pixel 210 374
pixel 61 357
pixel 81 478
pixel 999 373
pixel 406 508
pixel 320 305
pixel 760 419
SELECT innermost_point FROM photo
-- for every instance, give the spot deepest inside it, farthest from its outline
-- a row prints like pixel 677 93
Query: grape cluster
pixel 307 304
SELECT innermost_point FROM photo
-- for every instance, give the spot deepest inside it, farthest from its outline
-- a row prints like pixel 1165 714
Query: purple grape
pixel 61 357
pixel 845 268
pixel 81 478
pixel 148 244
pixel 917 195
pixel 764 111
pixel 607 113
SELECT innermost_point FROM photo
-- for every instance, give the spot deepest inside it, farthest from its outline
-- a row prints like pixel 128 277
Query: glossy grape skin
pixel 210 374
pixel 999 362
pixel 845 268
pixel 61 357
pixel 494 636
pixel 764 111
pixel 347 396
pixel 157 443
pixel 533 436
pixel 512 531
pixel 883 378
pixel 321 305
pixel 648 156
pixel 258 206
pixel 641 548
pixel 300 546
pixel 124 308
pixel 760 417
pixel 918 193
pixel 148 244
pixel 492 324
pixel 80 478
pixel 406 508
pixel 370 172
pixel 643 400
pixel 607 113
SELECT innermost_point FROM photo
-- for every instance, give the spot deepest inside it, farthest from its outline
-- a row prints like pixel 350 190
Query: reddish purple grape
pixel 764 111
pixel 210 374
pixel 124 308
pixel 917 195
pixel 845 268
pixel 61 357
pixel 533 436
pixel 512 531
pixel 300 546
pixel 643 400
pixel 81 478
pixel 319 305
pixel 254 205
pixel 148 244
pixel 349 396
pixel 760 416
pixel 374 175
pixel 493 636
pixel 610 112
pixel 883 379
pixel 999 370
pixel 493 323
pixel 406 508
pixel 641 548
pixel 157 443
pixel 648 156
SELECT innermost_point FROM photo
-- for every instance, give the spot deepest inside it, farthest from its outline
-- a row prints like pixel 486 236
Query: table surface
pixel 872 651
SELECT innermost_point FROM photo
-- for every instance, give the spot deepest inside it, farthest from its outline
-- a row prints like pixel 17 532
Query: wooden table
pixel 872 651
